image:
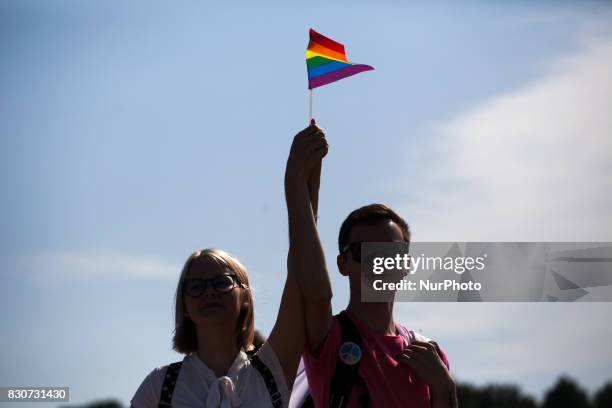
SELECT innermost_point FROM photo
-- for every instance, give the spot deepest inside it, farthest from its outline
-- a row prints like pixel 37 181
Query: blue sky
pixel 134 133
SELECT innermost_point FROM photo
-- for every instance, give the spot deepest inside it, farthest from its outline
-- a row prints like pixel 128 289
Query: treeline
pixel 566 393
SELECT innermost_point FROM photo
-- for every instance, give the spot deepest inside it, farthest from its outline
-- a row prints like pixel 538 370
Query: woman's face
pixel 205 305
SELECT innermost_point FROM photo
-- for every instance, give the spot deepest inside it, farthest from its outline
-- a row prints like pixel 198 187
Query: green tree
pixel 566 394
pixel 498 396
pixel 603 397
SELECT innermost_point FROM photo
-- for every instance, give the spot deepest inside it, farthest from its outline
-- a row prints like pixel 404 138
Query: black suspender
pixel 173 370
pixel 172 373
pixel 275 395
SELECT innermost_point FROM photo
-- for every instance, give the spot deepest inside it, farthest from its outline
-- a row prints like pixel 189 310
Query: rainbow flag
pixel 326 61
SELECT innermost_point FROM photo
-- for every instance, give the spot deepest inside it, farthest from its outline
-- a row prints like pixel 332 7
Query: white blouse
pixel 198 386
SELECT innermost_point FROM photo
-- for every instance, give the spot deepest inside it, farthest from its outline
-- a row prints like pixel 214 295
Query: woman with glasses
pixel 214 325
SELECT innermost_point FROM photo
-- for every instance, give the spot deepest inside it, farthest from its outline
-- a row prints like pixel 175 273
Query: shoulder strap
pixel 348 360
pixel 250 353
pixel 173 370
pixel 275 395
pixel 172 373
pixel 408 335
pixel 419 337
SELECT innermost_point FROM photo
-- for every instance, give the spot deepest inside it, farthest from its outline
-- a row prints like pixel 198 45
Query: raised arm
pixel 301 301
pixel 301 192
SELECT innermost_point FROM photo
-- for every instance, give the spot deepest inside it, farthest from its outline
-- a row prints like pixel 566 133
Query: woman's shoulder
pixel 271 367
pixel 149 392
pixel 158 374
pixel 265 352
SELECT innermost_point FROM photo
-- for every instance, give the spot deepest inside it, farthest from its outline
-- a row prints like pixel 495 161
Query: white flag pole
pixel 314 180
pixel 310 107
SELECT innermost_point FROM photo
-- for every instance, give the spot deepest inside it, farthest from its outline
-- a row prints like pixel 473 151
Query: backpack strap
pixel 420 337
pixel 167 389
pixel 408 335
pixel 275 395
pixel 348 360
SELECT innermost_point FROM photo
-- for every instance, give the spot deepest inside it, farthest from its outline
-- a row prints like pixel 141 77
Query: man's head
pixel 371 223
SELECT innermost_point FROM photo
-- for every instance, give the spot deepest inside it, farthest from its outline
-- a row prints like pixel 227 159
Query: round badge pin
pixel 350 353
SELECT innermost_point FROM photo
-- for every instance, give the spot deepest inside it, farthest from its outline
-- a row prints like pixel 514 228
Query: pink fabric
pixel 390 383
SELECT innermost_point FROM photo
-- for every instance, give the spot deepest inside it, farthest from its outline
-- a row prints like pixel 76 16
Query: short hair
pixel 185 336
pixel 368 215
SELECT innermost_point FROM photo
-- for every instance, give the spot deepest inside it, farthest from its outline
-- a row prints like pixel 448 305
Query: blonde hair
pixel 185 338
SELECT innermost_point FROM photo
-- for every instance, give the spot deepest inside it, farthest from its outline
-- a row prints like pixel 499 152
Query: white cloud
pixel 534 164
pixel 45 267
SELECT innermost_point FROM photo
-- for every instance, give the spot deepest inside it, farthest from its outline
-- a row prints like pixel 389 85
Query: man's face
pixel 383 231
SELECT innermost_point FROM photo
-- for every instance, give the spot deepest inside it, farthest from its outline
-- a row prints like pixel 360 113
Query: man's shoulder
pixel 149 392
pixel 420 337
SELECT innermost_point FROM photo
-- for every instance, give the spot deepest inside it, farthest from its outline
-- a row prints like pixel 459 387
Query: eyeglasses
pixel 221 284
pixel 355 250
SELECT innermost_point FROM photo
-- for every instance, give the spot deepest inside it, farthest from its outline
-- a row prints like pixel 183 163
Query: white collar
pixel 225 391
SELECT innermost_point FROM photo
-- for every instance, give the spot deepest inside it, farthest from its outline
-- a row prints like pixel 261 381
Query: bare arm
pixel 424 360
pixel 301 190
pixel 314 181
pixel 305 301
pixel 288 334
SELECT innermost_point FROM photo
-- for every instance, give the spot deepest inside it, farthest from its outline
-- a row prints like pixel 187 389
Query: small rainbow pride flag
pixel 326 61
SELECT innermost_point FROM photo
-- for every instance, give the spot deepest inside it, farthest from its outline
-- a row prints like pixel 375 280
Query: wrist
pixel 444 386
